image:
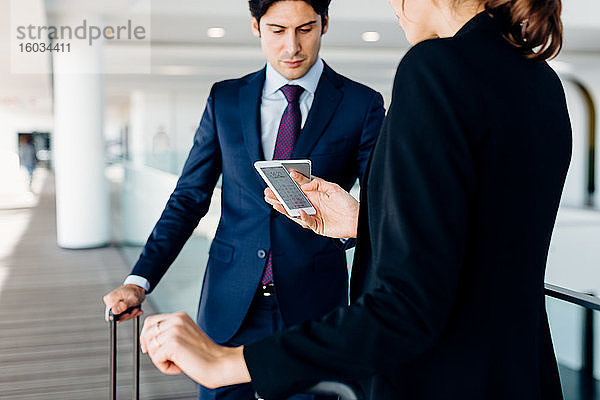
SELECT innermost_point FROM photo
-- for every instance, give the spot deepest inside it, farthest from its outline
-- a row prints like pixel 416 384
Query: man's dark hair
pixel 258 8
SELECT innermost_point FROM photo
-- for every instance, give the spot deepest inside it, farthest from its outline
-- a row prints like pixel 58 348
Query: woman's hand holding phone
pixel 336 210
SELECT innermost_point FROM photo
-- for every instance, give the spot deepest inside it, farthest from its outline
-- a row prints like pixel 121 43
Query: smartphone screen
pixel 286 187
pixel 301 167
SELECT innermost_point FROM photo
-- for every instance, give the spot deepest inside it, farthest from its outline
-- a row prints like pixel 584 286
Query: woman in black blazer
pixel 447 293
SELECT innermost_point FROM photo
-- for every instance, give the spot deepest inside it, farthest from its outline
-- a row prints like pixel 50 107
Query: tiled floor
pixel 53 338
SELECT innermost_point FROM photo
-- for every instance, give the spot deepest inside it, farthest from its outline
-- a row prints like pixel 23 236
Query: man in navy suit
pixel 264 272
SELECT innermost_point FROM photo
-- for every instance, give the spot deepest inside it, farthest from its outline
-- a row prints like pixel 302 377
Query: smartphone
pixel 302 166
pixel 277 177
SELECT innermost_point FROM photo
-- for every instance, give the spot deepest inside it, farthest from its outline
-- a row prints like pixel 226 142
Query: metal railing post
pixel 587 357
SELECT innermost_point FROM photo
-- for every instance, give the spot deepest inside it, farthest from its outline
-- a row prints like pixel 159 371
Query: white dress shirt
pixel 273 102
pixel 272 106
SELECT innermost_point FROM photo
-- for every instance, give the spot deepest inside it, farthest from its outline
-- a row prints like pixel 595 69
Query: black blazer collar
pixel 480 22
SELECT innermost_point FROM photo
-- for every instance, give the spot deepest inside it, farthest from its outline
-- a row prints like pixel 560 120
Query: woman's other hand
pixel 336 210
pixel 176 344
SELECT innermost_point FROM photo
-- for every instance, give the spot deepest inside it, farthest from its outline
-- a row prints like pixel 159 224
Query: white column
pixel 82 203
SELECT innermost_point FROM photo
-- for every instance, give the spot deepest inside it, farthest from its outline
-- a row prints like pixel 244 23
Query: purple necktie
pixel 289 128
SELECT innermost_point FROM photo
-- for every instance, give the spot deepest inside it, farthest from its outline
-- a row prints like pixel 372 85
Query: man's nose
pixel 292 44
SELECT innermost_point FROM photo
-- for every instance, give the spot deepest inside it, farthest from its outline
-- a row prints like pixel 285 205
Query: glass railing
pixel 170 161
pixel 572 323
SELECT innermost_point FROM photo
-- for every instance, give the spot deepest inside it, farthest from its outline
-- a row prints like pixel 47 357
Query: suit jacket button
pixel 261 253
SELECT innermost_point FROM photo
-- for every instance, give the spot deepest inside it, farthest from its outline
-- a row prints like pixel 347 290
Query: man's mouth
pixel 293 63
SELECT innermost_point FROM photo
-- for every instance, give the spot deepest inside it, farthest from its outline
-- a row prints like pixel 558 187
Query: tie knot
pixel 292 92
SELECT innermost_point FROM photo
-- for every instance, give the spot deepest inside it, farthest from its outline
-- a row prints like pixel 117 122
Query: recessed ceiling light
pixel 215 32
pixel 371 36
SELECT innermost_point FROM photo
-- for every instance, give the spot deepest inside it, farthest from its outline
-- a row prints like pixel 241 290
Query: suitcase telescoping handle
pixel 113 354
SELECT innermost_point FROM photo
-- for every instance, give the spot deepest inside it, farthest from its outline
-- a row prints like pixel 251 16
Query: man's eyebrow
pixel 298 27
pixel 306 24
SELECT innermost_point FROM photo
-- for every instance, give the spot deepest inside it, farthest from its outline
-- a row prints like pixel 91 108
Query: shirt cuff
pixel 138 281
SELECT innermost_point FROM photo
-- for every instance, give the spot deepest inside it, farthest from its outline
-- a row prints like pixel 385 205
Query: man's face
pixel 290 36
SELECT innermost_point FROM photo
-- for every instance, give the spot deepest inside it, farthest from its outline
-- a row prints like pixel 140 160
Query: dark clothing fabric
pixel 456 217
pixel 338 136
pixel 263 319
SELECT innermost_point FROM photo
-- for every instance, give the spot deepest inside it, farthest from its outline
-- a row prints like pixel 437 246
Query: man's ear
pixel 255 27
pixel 325 22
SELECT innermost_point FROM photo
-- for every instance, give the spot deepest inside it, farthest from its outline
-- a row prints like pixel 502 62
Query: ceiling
pixel 184 58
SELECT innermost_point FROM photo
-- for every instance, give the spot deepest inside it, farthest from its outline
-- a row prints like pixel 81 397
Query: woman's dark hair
pixel 532 25
pixel 258 8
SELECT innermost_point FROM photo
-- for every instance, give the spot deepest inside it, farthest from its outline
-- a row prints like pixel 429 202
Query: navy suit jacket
pixel 309 271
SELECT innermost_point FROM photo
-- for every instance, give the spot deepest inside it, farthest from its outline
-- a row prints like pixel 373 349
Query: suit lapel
pixel 249 106
pixel 327 99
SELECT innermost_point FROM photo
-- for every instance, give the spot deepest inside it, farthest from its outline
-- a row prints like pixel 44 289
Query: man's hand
pixel 122 298
pixel 337 210
pixel 176 344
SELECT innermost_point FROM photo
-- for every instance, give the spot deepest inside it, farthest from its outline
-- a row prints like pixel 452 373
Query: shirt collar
pixel 309 82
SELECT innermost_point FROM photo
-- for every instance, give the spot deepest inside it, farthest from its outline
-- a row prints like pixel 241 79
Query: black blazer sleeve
pixel 413 218
pixel 187 204
pixel 370 131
